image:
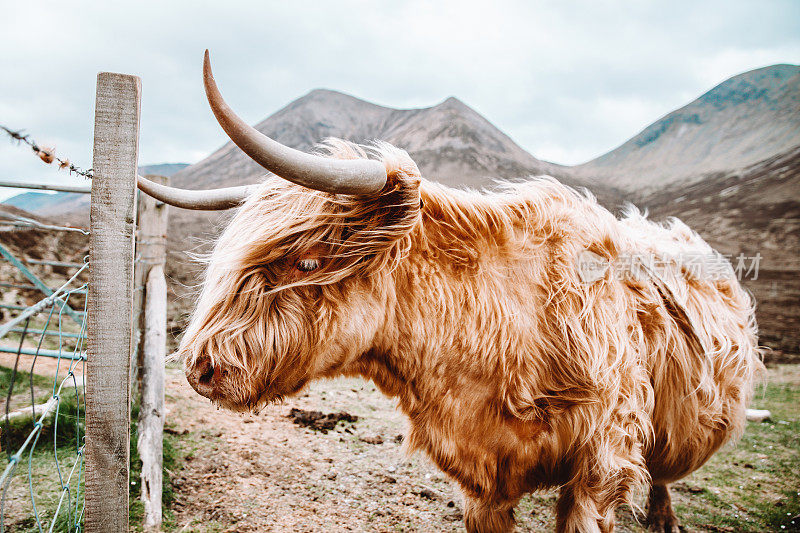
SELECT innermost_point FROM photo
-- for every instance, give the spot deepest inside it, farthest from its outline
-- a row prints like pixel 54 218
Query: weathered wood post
pixel 151 412
pixel 110 302
pixel 152 256
pixel 151 250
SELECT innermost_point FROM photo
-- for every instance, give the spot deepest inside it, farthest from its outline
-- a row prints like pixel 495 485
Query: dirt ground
pixel 265 473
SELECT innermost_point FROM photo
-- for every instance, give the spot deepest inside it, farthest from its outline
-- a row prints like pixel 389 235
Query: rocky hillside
pixel 746 119
pixel 754 211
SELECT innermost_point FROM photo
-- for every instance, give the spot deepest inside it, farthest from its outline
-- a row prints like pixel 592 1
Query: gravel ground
pixel 265 473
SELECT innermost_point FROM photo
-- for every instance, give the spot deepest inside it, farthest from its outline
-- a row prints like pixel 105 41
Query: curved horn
pixel 351 176
pixel 207 200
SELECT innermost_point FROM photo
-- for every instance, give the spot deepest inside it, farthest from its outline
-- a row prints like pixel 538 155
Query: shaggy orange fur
pixel 468 307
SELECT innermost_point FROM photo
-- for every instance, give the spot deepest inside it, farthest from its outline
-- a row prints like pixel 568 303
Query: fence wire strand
pixel 48 155
pixel 25 222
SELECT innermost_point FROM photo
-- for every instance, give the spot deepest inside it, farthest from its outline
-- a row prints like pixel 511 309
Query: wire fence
pixel 42 368
pixel 18 221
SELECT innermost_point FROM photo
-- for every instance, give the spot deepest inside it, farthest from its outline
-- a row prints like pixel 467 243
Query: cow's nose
pixel 203 376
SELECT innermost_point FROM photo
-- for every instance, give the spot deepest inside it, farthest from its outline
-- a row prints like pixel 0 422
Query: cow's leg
pixel 607 524
pixel 482 516
pixel 660 516
pixel 577 512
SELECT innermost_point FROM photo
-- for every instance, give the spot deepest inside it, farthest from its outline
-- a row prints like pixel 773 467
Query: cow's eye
pixel 307 265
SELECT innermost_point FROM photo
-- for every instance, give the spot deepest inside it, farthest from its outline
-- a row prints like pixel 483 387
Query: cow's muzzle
pixel 204 377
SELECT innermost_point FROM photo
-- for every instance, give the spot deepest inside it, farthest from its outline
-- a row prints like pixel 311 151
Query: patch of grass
pixel 785 515
pixel 35 488
pixel 44 476
pixel 22 380
pixel 65 423
pixel 36 481
pixel 39 460
pixel 752 485
pixel 23 383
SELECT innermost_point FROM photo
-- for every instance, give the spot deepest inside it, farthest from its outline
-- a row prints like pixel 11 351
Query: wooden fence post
pixel 151 250
pixel 110 302
pixel 152 256
pixel 151 411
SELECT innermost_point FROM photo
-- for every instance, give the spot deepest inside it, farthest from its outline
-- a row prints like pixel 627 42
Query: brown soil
pixel 265 473
pixel 319 421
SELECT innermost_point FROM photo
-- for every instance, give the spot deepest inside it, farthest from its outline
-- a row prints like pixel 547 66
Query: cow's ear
pixel 366 229
pixel 399 200
pixel 389 215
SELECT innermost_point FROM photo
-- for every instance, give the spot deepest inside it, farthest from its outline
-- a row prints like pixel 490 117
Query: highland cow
pixel 516 373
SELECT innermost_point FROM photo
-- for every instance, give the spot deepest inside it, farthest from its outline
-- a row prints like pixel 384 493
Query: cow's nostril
pixel 206 373
pixel 203 376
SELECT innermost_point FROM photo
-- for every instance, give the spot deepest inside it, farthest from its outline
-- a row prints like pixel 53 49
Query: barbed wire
pixel 48 155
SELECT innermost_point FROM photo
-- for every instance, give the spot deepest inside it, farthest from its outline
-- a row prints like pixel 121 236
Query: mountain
pixel 728 164
pixel 450 142
pixel 754 212
pixel 37 202
pixel 746 119
pixel 72 204
pixel 162 169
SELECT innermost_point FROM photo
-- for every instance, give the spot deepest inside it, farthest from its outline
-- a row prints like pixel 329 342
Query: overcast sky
pixel 568 80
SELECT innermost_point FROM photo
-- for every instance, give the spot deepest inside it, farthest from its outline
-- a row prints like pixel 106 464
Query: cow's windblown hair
pixel 355 236
pixel 516 374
